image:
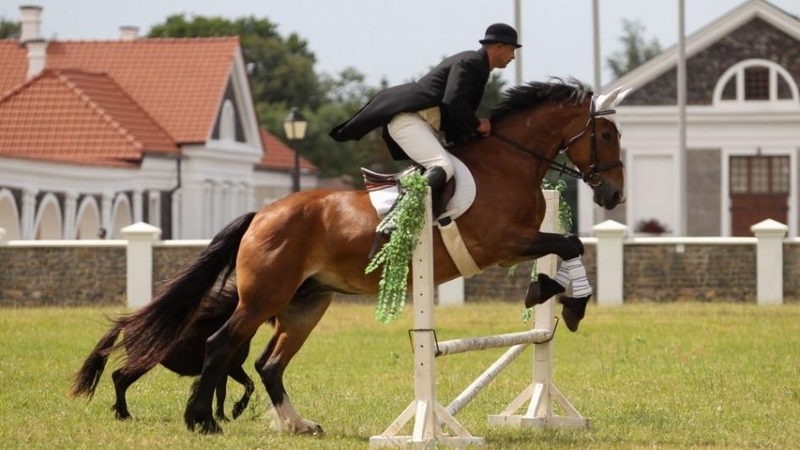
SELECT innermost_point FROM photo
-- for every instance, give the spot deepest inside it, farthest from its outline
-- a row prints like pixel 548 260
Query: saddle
pixel 376 182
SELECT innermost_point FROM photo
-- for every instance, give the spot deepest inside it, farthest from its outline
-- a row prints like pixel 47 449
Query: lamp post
pixel 295 128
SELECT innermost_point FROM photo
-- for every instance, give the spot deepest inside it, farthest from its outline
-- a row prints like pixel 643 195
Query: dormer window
pixel 756 80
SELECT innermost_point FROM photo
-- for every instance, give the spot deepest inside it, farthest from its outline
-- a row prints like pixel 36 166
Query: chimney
pixel 31 37
pixel 128 33
pixel 31 23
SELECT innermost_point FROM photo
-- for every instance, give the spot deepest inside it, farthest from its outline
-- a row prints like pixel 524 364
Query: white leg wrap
pixel 562 277
pixel 577 275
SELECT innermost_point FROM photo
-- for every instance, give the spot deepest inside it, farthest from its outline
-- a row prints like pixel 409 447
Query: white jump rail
pixel 430 416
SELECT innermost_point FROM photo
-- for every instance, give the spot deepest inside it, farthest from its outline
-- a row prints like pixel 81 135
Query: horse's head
pixel 544 119
pixel 593 145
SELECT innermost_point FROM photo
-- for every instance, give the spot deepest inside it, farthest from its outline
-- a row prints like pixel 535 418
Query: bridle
pixel 593 177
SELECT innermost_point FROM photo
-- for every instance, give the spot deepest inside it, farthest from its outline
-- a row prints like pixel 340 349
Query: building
pixel 96 135
pixel 742 128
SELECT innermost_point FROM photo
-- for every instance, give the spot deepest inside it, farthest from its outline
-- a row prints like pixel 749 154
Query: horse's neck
pixel 540 132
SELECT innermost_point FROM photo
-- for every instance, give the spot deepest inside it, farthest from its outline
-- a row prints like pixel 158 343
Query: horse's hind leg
pixel 259 300
pixel 238 374
pixel 221 392
pixel 292 326
pixel 122 381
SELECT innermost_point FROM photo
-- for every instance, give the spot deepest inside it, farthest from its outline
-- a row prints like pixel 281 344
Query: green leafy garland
pixel 406 219
pixel 564 219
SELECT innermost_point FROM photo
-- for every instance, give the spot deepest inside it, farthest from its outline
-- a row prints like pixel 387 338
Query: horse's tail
pixel 85 381
pixel 151 331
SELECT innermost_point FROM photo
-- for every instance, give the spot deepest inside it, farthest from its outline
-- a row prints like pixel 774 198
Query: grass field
pixel 648 375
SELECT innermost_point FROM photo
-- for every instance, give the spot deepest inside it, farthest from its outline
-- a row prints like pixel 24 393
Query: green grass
pixel 648 375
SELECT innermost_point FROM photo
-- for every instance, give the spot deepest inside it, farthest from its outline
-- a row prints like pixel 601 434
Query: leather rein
pixel 592 178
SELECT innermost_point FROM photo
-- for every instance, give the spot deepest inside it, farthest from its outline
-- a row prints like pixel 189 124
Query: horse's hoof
pixel 316 430
pixel 237 411
pixel 574 310
pixel 122 415
pixel 541 290
pixel 222 418
pixel 210 427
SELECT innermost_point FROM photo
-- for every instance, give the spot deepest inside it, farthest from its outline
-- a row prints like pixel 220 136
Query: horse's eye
pixel 605 135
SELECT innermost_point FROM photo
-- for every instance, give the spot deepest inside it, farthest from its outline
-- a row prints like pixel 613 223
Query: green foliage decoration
pixel 406 219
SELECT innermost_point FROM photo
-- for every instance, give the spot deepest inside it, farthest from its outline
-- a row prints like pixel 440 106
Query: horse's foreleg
pixel 221 392
pixel 292 327
pixel 122 381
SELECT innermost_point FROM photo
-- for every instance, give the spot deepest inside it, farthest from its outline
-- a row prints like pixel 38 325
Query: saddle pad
pixel 383 198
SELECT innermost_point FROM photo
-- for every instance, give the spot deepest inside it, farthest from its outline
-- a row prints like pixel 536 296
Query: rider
pixel 445 100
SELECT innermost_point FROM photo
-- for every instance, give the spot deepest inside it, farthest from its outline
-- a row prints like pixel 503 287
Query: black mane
pixel 537 93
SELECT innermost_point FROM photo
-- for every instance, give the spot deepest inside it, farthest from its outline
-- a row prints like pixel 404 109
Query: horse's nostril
pixel 619 197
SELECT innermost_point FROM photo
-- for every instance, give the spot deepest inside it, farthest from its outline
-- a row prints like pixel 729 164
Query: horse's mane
pixel 537 93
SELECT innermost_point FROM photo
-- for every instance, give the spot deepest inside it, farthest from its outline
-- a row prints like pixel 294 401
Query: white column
pixel 2 233
pixel 138 208
pixel 70 209
pixel 452 292
pixel 610 256
pixel 154 208
pixel 28 212
pixel 176 209
pixel 139 271
pixel 769 258
pixel 106 203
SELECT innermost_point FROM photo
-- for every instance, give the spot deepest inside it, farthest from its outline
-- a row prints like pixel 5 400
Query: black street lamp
pixel 295 128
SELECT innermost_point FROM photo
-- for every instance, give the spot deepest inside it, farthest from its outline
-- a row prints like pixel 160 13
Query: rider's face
pixel 505 54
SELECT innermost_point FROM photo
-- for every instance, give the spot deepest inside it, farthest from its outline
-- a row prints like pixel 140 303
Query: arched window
pixel 756 80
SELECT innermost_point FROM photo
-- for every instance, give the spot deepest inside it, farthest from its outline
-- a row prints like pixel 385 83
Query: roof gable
pixel 178 81
pixel 706 37
pixel 66 115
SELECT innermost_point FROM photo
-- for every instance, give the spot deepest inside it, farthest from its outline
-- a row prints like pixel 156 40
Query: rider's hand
pixel 485 127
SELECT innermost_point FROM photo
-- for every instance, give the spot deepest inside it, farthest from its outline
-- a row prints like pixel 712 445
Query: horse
pixel 184 356
pixel 294 254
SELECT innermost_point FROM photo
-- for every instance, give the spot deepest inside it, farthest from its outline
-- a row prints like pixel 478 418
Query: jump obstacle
pixel 429 415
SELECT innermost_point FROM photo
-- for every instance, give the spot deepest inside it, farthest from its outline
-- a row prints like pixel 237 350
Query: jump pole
pixel 542 394
pixel 425 409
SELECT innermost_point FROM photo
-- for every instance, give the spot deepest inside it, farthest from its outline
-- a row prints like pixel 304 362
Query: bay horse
pixel 183 356
pixel 291 256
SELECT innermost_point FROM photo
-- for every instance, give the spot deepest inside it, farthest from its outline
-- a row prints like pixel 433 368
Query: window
pixel 759 174
pixel 757 80
pixel 756 83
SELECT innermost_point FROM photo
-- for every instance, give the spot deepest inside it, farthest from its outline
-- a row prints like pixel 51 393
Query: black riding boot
pixel 436 178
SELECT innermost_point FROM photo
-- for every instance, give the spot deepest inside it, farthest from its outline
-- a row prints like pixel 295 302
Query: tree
pixel 635 50
pixel 9 29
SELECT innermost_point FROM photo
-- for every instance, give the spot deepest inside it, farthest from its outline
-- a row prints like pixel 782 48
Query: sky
pixel 399 40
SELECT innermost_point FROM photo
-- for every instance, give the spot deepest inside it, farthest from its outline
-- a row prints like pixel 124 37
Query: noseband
pixel 593 177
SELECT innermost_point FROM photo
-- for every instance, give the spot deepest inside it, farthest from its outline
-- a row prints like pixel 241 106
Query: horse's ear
pixel 621 97
pixel 607 100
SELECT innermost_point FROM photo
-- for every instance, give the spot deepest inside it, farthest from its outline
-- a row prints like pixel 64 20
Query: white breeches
pixel 418 139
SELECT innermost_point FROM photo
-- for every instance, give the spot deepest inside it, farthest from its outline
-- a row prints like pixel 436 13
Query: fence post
pixel 769 261
pixel 139 252
pixel 610 259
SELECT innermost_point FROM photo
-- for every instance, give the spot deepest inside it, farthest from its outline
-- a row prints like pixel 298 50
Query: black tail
pixel 151 331
pixel 85 381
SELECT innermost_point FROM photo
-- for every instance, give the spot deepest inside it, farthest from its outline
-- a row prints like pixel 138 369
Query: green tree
pixel 9 29
pixel 636 51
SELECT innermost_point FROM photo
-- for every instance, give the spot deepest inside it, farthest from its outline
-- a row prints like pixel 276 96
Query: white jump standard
pixel 430 416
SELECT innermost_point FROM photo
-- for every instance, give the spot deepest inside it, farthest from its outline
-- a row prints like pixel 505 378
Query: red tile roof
pixel 179 82
pixel 74 116
pixel 278 155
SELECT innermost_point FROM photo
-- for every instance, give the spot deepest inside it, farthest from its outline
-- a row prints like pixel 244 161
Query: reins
pixel 590 178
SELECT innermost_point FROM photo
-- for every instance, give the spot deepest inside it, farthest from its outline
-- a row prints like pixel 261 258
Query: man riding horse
pixel 445 101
